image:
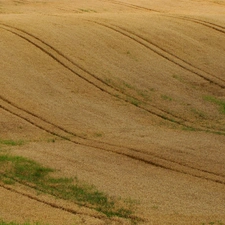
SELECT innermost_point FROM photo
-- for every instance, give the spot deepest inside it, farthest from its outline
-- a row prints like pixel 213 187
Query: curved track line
pixel 55 54
pixel 173 55
pixel 99 144
pixel 53 205
pixel 149 159
pixel 163 53
pixel 55 58
pixel 113 91
pixel 63 133
pixel 210 25
pixel 131 5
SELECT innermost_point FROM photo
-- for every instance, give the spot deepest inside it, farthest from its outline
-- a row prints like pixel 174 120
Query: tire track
pixel 57 206
pixel 64 134
pixel 54 57
pixel 210 25
pixel 93 79
pixel 131 6
pixel 178 58
pixel 138 155
pixel 99 83
pixel 51 204
pixel 165 54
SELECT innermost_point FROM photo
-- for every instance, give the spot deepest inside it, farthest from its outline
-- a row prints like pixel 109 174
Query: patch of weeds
pixel 144 94
pixel 131 56
pixel 114 84
pixel 155 207
pixel 216 101
pixel 108 80
pixel 117 96
pixel 88 10
pixel 198 113
pixel 125 88
pixel 218 132
pixel 15 168
pixel 23 169
pixel 8 181
pixel 177 78
pixel 152 89
pixel 214 223
pixel 133 101
pixel 51 140
pixel 189 128
pixel 14 223
pixel 165 97
pixel 127 85
pixel 97 134
pixel 11 142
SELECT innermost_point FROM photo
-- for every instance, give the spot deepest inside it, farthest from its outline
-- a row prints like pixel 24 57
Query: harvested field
pixel 128 96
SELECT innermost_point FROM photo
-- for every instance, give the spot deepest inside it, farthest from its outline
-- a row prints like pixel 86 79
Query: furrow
pixel 62 133
pixel 216 25
pixel 169 53
pixel 131 6
pixel 97 82
pixel 113 91
pixel 175 162
pixel 130 153
pixel 51 204
pixel 206 24
pixel 213 26
pixel 164 54
pixel 30 121
pixel 56 59
pixel 64 56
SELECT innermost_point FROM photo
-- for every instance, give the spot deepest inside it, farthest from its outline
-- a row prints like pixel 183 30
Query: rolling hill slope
pixel 133 97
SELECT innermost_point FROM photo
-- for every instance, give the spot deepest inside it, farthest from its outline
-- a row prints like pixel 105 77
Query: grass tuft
pixel 11 142
pixel 165 97
pixel 216 101
pixel 14 223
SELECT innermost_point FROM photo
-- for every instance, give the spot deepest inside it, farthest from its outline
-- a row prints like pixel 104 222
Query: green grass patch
pixel 133 101
pixel 11 142
pixel 14 223
pixel 198 113
pixel 15 168
pixel 97 134
pixel 165 97
pixel 213 223
pixel 189 129
pixel 219 102
pixel 177 78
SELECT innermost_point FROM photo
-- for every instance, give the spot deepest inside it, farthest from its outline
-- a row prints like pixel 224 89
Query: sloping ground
pixel 132 95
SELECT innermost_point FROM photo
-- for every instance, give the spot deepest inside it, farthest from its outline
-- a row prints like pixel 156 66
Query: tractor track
pixel 93 79
pixel 51 204
pixel 202 22
pixel 99 83
pixel 210 25
pixel 138 155
pixel 131 6
pixel 62 133
pixel 165 54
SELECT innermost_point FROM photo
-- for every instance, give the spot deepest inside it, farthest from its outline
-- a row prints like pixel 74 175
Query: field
pixel 112 112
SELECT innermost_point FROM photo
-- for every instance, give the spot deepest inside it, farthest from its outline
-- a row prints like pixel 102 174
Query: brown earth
pixel 125 89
